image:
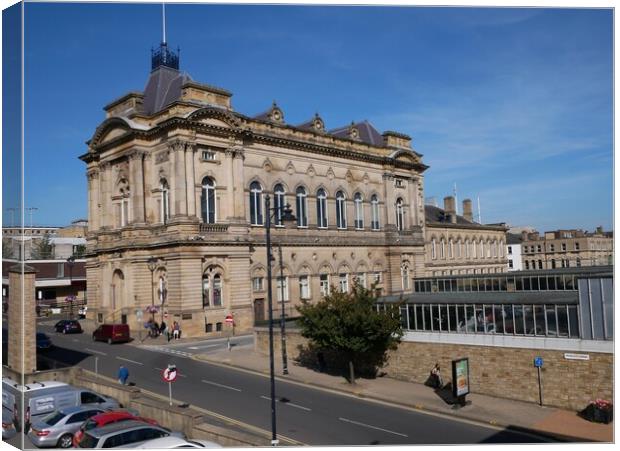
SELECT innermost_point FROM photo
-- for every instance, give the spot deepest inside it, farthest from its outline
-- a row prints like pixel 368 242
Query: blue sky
pixel 512 105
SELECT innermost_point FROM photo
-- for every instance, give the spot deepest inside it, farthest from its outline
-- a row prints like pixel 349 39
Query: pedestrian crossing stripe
pixel 168 351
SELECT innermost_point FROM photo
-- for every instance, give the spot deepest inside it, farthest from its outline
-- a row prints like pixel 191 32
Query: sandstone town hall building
pixel 176 186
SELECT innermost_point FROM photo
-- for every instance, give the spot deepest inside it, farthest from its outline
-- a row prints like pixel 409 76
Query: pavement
pixel 557 423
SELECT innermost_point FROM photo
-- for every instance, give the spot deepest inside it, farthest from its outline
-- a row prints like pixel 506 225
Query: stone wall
pixel 496 371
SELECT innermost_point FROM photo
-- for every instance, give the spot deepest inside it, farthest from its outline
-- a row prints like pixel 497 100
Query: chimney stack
pixel 599 230
pixel 524 235
pixel 449 206
pixel 467 210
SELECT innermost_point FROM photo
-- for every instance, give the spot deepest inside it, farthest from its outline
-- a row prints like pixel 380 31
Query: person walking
pixel 436 374
pixel 175 330
pixel 123 375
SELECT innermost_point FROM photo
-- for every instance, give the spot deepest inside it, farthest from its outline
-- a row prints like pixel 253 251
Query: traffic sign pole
pixel 170 392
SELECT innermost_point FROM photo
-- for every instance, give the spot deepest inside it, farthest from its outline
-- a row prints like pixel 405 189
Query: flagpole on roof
pixel 163 19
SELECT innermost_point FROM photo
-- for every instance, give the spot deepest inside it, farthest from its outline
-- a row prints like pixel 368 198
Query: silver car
pixel 57 428
pixel 8 428
pixel 126 434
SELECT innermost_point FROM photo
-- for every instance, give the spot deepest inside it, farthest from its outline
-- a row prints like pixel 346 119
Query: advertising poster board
pixel 460 377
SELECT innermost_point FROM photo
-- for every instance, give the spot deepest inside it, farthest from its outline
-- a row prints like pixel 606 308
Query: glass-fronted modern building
pixel 563 303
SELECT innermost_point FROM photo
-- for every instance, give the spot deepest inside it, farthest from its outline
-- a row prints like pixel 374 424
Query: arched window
pixel 341 211
pixel 501 248
pixel 278 202
pixel 256 204
pixel 442 250
pixel 321 208
pixel 122 204
pixel 494 249
pixel 450 248
pixel 164 206
pixel 433 249
pixel 374 210
pixel 302 207
pixel 480 249
pixel 400 215
pixel 467 248
pixel 359 211
pixel 207 201
pixel 404 274
pixel 212 288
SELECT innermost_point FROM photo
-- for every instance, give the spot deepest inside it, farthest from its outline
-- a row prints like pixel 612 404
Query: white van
pixel 44 397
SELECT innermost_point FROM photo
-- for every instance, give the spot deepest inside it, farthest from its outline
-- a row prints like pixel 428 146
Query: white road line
pixel 220 385
pixel 371 427
pixel 202 347
pixel 96 352
pixel 297 406
pixel 129 360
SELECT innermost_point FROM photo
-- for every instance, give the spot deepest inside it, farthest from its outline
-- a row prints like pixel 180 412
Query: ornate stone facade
pixel 184 181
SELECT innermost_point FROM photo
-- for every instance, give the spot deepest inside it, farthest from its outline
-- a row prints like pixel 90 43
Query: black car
pixel 43 342
pixel 68 326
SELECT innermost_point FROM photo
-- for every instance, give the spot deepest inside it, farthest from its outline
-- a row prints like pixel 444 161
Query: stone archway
pixel 117 290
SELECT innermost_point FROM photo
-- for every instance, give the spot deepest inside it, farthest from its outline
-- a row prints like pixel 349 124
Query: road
pixel 309 415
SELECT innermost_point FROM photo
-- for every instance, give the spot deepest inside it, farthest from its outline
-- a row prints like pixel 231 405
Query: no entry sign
pixel 170 374
pixel 229 319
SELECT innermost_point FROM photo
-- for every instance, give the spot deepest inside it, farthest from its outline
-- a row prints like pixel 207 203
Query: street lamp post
pixel 287 216
pixel 163 292
pixel 71 262
pixel 152 264
pixel 282 317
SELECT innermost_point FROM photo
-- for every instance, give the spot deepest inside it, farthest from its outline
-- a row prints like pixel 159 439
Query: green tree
pixel 43 249
pixel 80 249
pixel 350 325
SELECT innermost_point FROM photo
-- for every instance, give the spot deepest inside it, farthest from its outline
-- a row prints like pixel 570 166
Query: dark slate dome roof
pixel 163 88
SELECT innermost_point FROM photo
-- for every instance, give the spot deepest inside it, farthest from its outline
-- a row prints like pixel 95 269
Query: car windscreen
pixel 53 418
pixel 88 441
pixel 88 425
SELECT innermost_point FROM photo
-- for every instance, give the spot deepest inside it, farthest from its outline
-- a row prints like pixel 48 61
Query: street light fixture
pixel 152 264
pixel 286 217
pixel 71 262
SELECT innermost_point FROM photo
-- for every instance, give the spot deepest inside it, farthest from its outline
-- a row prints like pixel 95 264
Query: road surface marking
pixel 129 360
pixel 202 347
pixel 297 406
pixel 96 352
pixel 220 385
pixel 372 427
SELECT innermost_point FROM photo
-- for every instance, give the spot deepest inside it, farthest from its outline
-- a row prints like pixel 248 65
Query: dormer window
pixel 399 183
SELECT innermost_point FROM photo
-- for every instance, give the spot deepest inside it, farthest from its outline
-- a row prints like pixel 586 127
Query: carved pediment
pixel 112 134
pixel 214 121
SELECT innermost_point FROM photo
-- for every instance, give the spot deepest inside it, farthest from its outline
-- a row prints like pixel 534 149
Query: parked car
pixel 102 419
pixel 172 442
pixel 126 434
pixel 8 428
pixel 68 326
pixel 57 428
pixel 43 398
pixel 82 312
pixel 43 342
pixel 112 333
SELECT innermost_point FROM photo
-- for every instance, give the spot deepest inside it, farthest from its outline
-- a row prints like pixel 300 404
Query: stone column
pixel 178 169
pixel 413 202
pixel 227 209
pixel 190 187
pixel 93 200
pixel 150 215
pixel 107 216
pixel 388 187
pixel 22 321
pixel 136 186
pixel 238 184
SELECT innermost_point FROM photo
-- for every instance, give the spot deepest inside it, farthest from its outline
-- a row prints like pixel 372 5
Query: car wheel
pixel 66 441
pixel 109 341
pixel 64 331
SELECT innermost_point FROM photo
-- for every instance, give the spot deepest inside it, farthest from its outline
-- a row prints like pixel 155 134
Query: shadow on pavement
pixel 517 434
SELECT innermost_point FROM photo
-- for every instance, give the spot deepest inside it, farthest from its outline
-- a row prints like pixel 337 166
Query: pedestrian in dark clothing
pixel 436 375
pixel 123 375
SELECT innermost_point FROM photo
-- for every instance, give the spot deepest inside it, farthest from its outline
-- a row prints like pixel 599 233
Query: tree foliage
pixel 350 325
pixel 43 249
pixel 80 250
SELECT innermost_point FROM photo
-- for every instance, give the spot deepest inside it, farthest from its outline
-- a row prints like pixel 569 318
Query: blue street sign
pixel 538 362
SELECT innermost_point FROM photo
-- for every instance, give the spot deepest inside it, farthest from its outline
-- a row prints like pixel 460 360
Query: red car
pixel 106 418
